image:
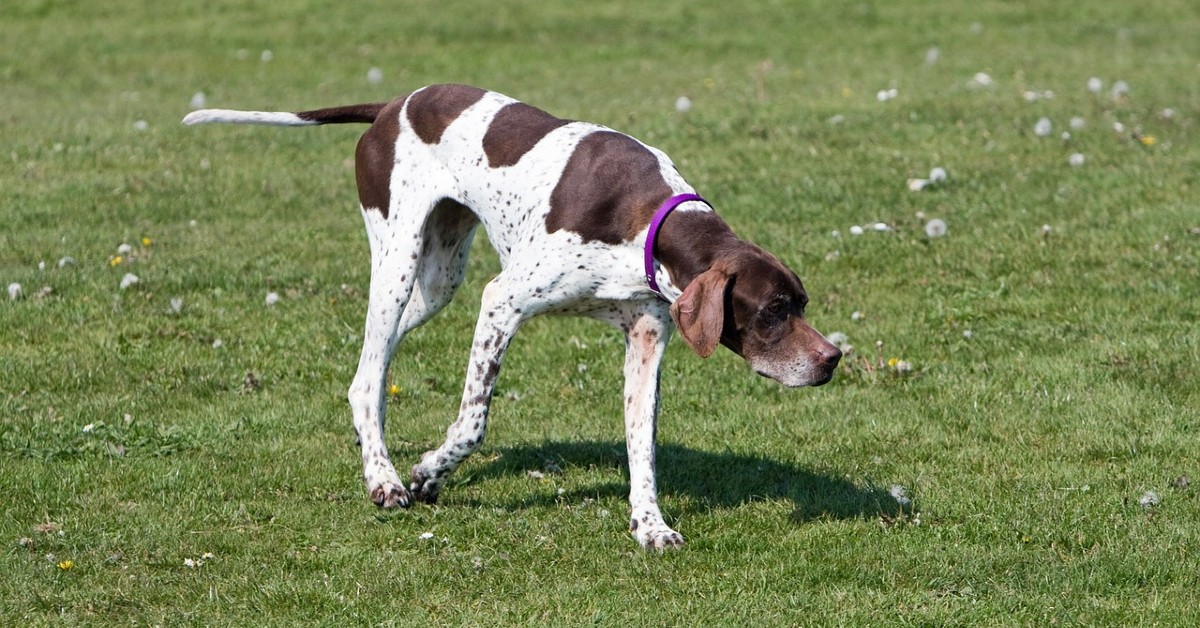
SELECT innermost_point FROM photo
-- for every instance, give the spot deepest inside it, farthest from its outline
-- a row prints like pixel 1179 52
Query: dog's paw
pixel 423 485
pixel 655 536
pixel 389 495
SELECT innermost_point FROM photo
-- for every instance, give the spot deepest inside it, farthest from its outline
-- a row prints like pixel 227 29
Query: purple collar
pixel 652 234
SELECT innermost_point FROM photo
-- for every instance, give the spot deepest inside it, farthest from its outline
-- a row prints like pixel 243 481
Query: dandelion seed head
pixel 856 230
pixel 1094 85
pixel 218 343
pixel 885 95
pixel 266 55
pixel 900 494
pixel 916 185
pixel 836 119
pixel 1120 89
pixel 14 291
pixel 1167 114
pixel 835 233
pixel 1043 127
pixel 683 104
pixel 981 79
pixel 1148 499
pixel 1118 127
pixel 935 228
pixel 968 333
pixel 128 280
pixel 124 249
pixel 198 101
pixel 857 315
pixel 272 298
pixel 932 55
pixel 880 226
pixel 141 125
pixel 189 563
pixel 1077 123
pixel 937 174
pixel 65 261
pixel 1076 159
pixel 374 76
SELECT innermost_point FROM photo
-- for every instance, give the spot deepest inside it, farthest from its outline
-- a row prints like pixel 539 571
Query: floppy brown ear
pixel 699 312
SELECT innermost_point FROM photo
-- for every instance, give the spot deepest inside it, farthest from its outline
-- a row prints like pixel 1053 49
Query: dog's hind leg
pixel 414 273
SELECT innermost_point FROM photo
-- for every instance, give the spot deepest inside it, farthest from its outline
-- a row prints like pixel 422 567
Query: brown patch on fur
pixel 344 115
pixel 514 131
pixel 609 189
pixel 432 109
pixel 375 157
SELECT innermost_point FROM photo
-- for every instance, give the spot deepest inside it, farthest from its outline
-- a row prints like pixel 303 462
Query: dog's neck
pixel 690 241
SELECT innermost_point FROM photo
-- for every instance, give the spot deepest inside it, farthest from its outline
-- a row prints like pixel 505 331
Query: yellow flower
pixel 892 362
pixel 147 242
pixel 393 390
pixel 847 92
pixel 116 260
pixel 66 565
pixel 1147 140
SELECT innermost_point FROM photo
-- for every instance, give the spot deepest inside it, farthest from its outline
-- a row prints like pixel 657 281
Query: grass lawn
pixel 179 452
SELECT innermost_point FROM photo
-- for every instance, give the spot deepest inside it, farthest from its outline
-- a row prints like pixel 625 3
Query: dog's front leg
pixel 498 322
pixel 646 335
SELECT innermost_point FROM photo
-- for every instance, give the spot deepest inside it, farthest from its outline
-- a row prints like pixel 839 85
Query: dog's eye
pixel 777 309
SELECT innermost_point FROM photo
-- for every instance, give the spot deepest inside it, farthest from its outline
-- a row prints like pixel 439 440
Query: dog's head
pixel 754 305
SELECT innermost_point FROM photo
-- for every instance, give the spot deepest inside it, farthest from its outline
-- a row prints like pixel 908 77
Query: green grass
pixel 1026 447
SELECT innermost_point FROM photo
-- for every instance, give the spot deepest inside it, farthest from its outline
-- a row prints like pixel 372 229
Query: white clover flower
pixel 374 76
pixel 189 563
pixel 968 333
pixel 272 298
pixel 1045 230
pixel 880 226
pixel 207 556
pixel 1118 127
pixel 904 366
pixel 1148 499
pixel 837 118
pixel 1094 85
pixel 266 55
pixel 425 536
pixel 1077 123
pixel 176 305
pixel 14 291
pixel 141 125
pixel 937 174
pixel 932 55
pixel 835 233
pixel 935 228
pixel 885 95
pixel 856 230
pixel 1076 159
pixel 218 343
pixel 1043 127
pixel 582 367
pixel 124 249
pixel 198 101
pixel 66 261
pixel 128 280
pixel 683 104
pixel 87 429
pixel 856 315
pixel 1167 114
pixel 916 185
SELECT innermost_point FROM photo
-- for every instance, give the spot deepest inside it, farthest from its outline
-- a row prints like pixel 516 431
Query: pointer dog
pixel 581 217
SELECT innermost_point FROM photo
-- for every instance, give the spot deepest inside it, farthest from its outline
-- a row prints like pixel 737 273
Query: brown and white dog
pixel 569 208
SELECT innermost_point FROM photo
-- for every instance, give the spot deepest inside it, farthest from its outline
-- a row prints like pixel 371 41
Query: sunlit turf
pixel 180 452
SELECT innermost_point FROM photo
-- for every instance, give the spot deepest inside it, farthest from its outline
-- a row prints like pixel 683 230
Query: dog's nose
pixel 829 356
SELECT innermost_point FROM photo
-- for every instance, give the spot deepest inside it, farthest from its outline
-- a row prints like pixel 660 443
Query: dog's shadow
pixel 702 480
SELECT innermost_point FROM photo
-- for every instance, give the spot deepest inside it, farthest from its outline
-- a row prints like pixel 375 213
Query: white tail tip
pixel 229 116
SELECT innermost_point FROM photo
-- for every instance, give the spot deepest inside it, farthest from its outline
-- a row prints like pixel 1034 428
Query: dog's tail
pixel 334 115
